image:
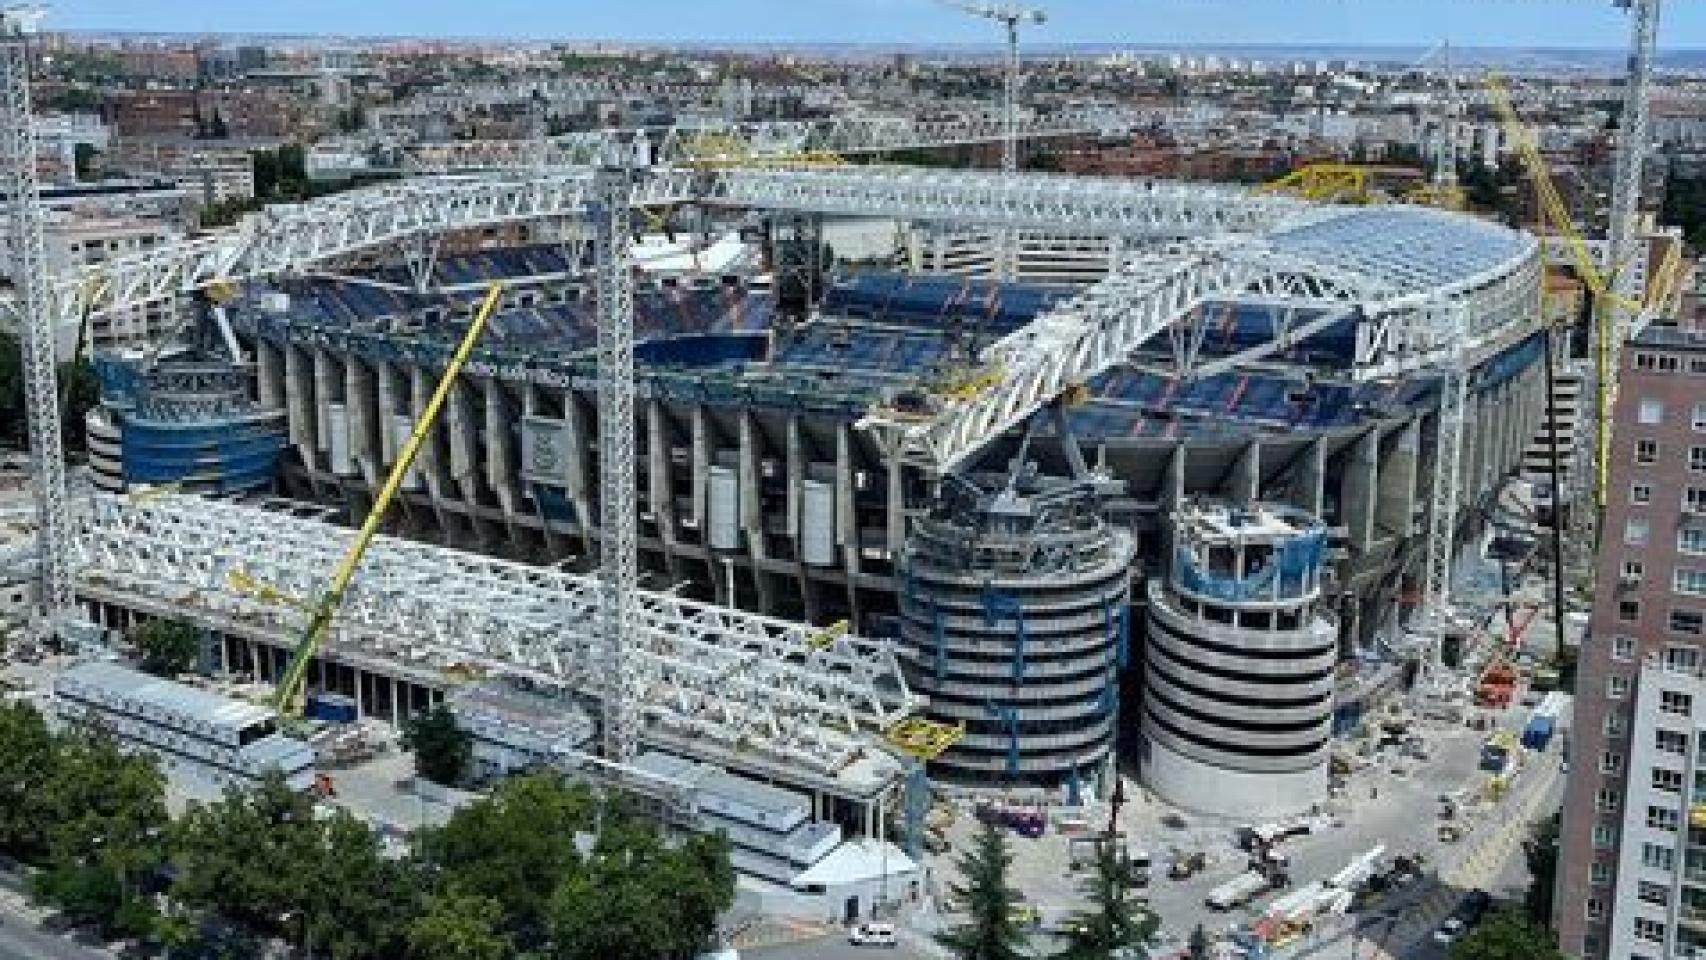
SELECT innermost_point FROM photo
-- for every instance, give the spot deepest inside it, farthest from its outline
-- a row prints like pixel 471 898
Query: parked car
pixel 1468 913
pixel 873 935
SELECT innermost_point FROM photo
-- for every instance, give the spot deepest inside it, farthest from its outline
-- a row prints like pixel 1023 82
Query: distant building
pixel 212 171
pixel 192 731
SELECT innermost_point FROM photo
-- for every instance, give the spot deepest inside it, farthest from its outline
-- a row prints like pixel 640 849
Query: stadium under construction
pixel 1199 554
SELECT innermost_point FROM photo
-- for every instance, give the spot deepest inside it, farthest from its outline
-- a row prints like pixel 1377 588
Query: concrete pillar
pixel 1309 482
pixel 1357 489
pixel 459 431
pixel 846 517
pixel 660 483
pixel 359 402
pixel 503 466
pixel 701 469
pixel 896 530
pixel 578 465
pixel 299 399
pixel 270 375
pixel 1395 510
pixel 1244 483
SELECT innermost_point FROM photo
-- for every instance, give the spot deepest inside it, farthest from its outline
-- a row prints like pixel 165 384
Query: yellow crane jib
pixel 923 738
pixel 287 699
pixel 828 635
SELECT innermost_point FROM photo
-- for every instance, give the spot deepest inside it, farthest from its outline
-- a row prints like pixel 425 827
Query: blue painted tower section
pixel 190 422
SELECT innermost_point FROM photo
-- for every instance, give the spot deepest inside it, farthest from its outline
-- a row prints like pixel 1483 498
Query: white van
pixel 873 935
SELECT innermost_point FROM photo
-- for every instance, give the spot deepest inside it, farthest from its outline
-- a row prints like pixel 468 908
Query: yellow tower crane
pixel 288 698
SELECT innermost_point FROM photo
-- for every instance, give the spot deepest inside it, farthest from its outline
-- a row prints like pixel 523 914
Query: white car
pixel 873 935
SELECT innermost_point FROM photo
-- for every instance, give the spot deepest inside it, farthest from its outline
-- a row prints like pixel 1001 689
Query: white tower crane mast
pixel 1010 16
pixel 35 312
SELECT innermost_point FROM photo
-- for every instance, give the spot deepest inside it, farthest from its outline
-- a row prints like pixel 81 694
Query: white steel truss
pixel 38 319
pixel 781 691
pixel 758 139
pixel 618 537
pixel 1097 330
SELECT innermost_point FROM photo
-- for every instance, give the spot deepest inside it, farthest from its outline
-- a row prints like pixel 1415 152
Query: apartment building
pixel 1632 876
pixel 72 239
pixel 213 171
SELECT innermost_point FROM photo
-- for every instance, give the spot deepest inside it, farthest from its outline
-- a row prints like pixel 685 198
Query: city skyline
pixel 1590 24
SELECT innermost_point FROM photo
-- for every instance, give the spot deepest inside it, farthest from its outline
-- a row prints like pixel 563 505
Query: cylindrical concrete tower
pixel 1014 623
pixel 1238 668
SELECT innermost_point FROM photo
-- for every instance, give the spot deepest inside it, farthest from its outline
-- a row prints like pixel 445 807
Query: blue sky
pixel 1590 23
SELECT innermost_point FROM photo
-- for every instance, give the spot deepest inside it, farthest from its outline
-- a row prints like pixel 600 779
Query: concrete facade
pixel 1238 665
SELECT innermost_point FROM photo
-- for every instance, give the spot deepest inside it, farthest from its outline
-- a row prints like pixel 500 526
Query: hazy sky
pixel 1579 23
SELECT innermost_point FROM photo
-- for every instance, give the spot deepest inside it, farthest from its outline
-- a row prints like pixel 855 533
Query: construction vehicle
pixel 1186 865
pixel 288 699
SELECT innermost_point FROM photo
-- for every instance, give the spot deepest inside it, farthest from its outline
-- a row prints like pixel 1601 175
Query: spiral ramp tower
pixel 1238 665
pixel 1014 622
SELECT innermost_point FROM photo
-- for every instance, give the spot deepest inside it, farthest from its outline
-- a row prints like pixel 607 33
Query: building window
pixel 1689 581
pixel 1635 531
pixel 1654 893
pixel 1697 365
pixel 1599 872
pixel 1614 723
pixel 1663 818
pixel 1694 500
pixel 1667 781
pixel 1645 361
pixel 1604 836
pixel 1633 571
pixel 1616 686
pixel 1641 494
pixel 1611 762
pixel 1605 801
pixel 1651 411
pixel 1629 610
pixel 1670 741
pixel 1668 363
pixel 1596 908
pixel 1646 452
pixel 1674 703
pixel 1682 659
pixel 1687 621
pixel 1700 416
pixel 1658 857
pixel 1650 930
pixel 1697 458
pixel 1622 647
pixel 1691 540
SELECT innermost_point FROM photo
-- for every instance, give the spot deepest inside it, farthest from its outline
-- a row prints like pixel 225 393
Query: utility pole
pixel 36 317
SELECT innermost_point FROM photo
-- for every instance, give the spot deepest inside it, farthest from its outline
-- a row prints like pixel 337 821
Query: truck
pixel 1236 892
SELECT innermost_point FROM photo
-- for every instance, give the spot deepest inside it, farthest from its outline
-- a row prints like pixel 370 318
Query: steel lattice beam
pixel 736 679
pixel 38 318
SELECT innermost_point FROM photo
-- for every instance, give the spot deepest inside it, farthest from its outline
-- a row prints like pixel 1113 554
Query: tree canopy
pixel 168 647
pixel 990 932
pixel 444 752
pixel 1507 935
pixel 539 868
pixel 1115 923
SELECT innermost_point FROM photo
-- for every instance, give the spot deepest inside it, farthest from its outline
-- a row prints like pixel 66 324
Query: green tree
pixel 107 835
pixel 84 156
pixel 990 931
pixel 1507 935
pixel 1197 947
pixel 515 847
pixel 260 858
pixel 1541 853
pixel 236 857
pixel 168 647
pixel 455 926
pixel 1115 920
pixel 444 752
pixel 29 757
pixel 609 907
pixel 77 385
